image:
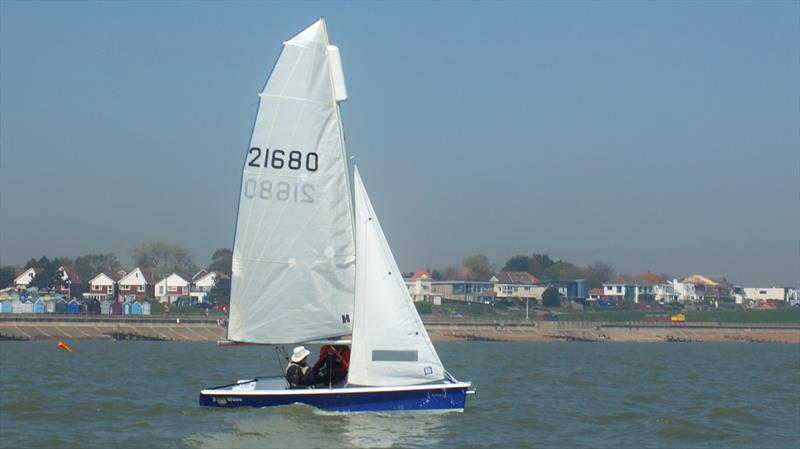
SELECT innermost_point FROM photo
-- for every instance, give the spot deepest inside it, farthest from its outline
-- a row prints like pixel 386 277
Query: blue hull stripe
pixel 427 399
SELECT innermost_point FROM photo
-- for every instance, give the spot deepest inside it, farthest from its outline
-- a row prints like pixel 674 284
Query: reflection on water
pixel 300 426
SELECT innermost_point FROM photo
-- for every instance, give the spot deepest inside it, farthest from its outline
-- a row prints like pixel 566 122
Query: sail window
pixel 394 356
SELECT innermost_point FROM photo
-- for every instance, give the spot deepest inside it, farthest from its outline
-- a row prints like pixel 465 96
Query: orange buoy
pixel 64 346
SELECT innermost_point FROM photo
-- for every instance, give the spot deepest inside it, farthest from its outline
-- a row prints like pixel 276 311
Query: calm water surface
pixel 530 395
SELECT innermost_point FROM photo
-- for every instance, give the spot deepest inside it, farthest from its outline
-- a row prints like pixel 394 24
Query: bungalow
pixel 419 285
pixel 203 282
pixel 171 288
pixel 595 294
pixel 25 277
pixel 136 285
pixel 102 286
pixel 518 285
pixel 70 286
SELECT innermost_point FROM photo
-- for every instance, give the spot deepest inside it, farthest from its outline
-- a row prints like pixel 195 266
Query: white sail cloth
pixel 390 345
pixel 293 255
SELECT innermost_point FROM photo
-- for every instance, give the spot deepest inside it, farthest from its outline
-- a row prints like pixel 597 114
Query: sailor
pixel 331 368
pixel 297 373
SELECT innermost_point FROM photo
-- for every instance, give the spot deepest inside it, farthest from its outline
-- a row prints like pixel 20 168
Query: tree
pixel 479 266
pixel 7 276
pixel 47 274
pixel 221 261
pixel 565 271
pixel 599 272
pixel 550 297
pixel 436 275
pixel 518 263
pixel 163 257
pixel 220 293
pixel 91 265
pixel 539 263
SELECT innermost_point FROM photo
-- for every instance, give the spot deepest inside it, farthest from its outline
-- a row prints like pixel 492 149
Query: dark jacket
pixel 299 376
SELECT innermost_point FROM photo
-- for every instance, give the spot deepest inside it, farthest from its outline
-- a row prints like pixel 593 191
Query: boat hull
pixel 359 399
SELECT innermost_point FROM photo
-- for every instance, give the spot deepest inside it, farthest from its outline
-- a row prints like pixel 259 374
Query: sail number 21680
pixel 278 159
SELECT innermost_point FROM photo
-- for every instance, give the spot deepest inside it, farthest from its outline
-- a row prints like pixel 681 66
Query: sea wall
pixel 44 327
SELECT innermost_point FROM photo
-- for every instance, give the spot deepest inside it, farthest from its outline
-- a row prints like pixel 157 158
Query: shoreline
pixel 33 327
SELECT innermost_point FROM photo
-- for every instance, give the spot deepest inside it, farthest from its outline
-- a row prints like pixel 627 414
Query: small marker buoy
pixel 64 346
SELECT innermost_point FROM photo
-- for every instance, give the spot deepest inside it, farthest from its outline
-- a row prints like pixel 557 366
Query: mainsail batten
pixel 293 257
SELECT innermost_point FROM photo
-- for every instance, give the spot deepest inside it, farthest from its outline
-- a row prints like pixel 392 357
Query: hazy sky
pixel 655 136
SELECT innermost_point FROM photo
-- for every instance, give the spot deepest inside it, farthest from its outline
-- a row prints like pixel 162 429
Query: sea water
pixel 529 395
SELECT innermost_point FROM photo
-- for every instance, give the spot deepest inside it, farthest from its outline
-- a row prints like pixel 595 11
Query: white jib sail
pixel 293 256
pixel 390 345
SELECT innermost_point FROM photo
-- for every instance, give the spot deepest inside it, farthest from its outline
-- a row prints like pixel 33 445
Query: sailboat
pixel 311 264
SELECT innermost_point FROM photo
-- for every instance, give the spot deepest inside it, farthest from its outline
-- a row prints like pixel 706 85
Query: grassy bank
pixel 476 311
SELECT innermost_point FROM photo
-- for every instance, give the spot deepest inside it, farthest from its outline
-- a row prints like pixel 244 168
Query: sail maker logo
pixel 428 370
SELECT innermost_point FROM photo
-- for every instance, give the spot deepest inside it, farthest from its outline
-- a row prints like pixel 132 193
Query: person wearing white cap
pixel 297 373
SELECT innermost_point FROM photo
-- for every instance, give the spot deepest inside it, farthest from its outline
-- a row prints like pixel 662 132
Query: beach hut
pixel 39 306
pixel 16 306
pixel 116 308
pixel 27 306
pixel 61 306
pixel 50 306
pixel 5 307
pixel 126 308
pixel 91 306
pixel 136 308
pixel 74 307
pixel 145 307
pixel 105 307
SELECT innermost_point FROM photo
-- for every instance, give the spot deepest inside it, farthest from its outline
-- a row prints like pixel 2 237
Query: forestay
pixel 293 255
pixel 390 344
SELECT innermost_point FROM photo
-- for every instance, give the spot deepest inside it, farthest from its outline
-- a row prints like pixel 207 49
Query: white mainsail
pixel 293 255
pixel 390 345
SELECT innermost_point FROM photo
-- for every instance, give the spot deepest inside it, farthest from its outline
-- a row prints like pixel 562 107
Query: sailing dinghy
pixel 310 261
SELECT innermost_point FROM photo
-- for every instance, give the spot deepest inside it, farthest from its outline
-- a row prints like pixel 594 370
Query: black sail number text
pixel 280 159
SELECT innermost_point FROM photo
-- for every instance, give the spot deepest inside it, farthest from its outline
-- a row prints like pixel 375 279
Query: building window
pixel 124 288
pixel 140 288
pixel 619 289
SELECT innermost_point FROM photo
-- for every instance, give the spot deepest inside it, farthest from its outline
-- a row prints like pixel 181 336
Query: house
pixel 674 291
pixel 171 288
pixel 710 288
pixel 595 294
pixel 519 285
pixel 102 286
pixel 70 285
pixel 469 291
pixel 203 282
pixel 419 285
pixel 633 289
pixel 25 277
pixel 138 284
pixel 765 293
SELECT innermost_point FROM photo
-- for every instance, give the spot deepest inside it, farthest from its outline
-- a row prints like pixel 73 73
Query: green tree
pixel 221 261
pixel 538 265
pixel 90 265
pixel 220 293
pixel 565 271
pixel 518 263
pixel 550 297
pixel 47 275
pixel 163 257
pixel 7 276
pixel 436 275
pixel 479 266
